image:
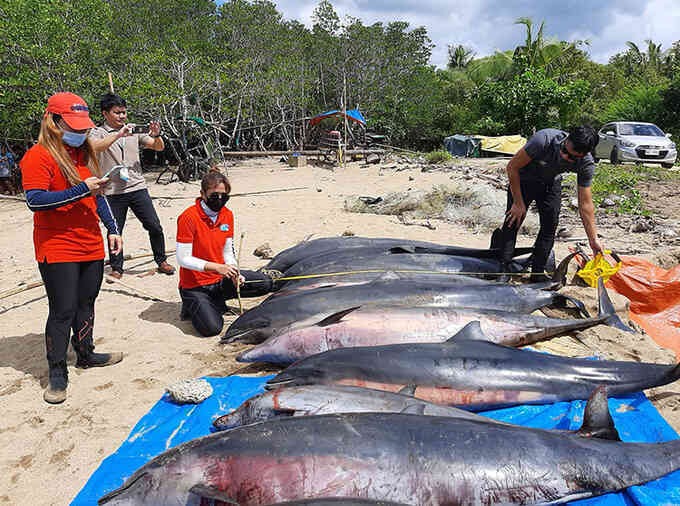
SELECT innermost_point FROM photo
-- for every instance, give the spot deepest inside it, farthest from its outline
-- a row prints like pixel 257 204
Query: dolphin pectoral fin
pixel 606 308
pixel 208 492
pixel 471 331
pixel 414 409
pixel 335 317
pixel 408 390
pixel 597 420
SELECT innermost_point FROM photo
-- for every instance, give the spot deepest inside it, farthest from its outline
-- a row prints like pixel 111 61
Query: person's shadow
pixel 168 312
pixel 27 354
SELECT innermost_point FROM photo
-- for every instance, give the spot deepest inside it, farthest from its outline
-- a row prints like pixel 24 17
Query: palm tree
pixel 460 57
pixel 537 52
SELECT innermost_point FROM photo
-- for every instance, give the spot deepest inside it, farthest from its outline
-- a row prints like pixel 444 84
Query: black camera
pixel 140 129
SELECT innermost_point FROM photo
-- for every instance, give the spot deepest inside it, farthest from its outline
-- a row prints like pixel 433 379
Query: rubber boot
pixel 55 393
pixel 86 357
pixel 503 277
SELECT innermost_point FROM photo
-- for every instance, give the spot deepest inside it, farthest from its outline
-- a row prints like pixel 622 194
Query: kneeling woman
pixel 205 252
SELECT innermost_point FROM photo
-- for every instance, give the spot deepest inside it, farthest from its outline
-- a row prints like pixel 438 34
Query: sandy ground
pixel 48 452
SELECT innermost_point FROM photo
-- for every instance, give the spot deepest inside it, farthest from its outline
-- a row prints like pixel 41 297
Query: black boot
pixel 88 358
pixel 503 276
pixel 55 393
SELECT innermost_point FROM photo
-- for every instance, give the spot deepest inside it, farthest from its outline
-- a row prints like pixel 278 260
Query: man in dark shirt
pixel 535 174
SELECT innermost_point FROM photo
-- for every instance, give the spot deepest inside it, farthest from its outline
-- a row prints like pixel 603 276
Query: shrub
pixel 438 156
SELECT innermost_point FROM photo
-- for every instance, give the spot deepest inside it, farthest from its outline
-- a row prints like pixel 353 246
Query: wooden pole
pixel 110 82
pixel 238 270
pixel 111 279
pixel 36 284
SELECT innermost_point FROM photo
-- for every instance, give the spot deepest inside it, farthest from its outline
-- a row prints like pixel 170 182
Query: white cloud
pixel 488 25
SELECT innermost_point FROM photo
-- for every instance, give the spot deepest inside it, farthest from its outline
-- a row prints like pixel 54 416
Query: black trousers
pixel 72 288
pixel 141 205
pixel 548 198
pixel 205 305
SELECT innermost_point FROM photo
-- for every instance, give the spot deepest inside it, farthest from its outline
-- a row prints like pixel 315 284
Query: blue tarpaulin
pixel 168 424
pixel 352 114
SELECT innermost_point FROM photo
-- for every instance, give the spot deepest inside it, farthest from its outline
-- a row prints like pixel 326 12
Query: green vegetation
pixel 438 156
pixel 242 66
pixel 623 181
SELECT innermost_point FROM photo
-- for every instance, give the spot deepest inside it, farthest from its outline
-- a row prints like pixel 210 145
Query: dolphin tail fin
pixel 559 278
pixel 606 308
pixel 561 301
pixel 597 420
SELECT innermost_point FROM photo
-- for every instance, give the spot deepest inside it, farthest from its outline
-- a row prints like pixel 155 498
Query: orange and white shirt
pixel 209 241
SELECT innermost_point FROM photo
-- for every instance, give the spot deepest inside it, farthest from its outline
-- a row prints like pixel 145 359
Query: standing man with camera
pixel 118 146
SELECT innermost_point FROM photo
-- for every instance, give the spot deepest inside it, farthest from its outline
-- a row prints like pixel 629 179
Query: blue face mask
pixel 73 139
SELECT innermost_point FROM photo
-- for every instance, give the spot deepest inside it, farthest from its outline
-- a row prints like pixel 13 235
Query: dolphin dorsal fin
pixel 597 421
pixel 336 317
pixel 408 390
pixel 471 331
pixel 414 409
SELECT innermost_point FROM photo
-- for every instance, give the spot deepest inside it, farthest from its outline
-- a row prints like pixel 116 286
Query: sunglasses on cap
pixel 567 154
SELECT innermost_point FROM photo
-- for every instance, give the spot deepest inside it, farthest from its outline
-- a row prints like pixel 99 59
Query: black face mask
pixel 216 201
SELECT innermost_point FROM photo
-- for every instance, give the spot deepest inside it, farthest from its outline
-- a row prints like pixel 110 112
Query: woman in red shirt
pixel 205 252
pixel 63 185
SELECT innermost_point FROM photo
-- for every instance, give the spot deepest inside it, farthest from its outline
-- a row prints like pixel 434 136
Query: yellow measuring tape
pixel 331 274
pixel 598 267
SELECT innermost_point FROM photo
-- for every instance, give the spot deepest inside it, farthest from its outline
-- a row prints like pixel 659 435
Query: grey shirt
pixel 546 163
pixel 125 151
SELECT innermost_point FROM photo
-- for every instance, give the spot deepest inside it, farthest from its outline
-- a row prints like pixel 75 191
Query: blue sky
pixel 487 25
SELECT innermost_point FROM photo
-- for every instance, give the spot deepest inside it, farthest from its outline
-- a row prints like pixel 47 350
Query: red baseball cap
pixel 72 108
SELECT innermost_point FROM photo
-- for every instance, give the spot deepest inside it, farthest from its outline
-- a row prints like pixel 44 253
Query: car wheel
pixel 667 165
pixel 614 157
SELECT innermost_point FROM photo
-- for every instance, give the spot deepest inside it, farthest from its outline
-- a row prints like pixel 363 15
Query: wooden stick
pixel 141 255
pixel 238 270
pixel 36 284
pixel 193 197
pixel 110 82
pixel 13 197
pixel 111 279
pixel 20 289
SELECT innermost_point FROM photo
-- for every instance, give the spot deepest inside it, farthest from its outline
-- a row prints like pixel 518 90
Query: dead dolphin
pixel 260 322
pixel 308 400
pixel 337 501
pixel 469 372
pixel 399 258
pixel 285 259
pixel 398 457
pixel 379 325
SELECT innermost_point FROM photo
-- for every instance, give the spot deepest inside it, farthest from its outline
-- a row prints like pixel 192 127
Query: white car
pixel 628 141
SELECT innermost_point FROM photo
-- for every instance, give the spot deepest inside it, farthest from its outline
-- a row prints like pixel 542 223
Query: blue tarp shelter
pixel 352 114
pixel 168 424
pixel 462 145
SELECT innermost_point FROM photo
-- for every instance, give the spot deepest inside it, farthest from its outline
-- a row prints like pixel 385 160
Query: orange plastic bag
pixel 654 295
